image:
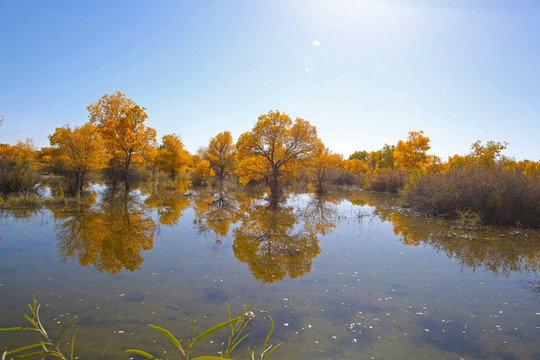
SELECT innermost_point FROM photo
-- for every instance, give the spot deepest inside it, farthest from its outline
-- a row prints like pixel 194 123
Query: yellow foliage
pixel 274 148
pixel 356 166
pixel 80 149
pixel 411 155
pixel 220 153
pixel 171 156
pixel 203 172
pixel 23 152
pixel 321 165
pixel 121 124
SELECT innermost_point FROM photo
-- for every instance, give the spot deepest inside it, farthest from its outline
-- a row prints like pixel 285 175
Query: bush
pixel 17 178
pixel 498 195
pixel 390 181
pixel 344 177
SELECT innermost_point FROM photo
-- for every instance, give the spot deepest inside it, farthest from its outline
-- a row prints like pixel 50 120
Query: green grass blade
pixel 39 321
pixel 25 348
pixel 270 353
pixel 73 341
pixel 16 328
pixel 269 333
pixel 31 321
pixel 238 342
pixel 53 353
pixel 142 353
pixel 168 335
pixel 214 329
pixel 64 329
pixel 210 358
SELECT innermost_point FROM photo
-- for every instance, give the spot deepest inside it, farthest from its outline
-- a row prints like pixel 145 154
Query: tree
pixel 411 155
pixel 321 166
pixel 220 153
pixel 78 151
pixel 121 124
pixel 488 154
pixel 171 156
pixel 274 148
pixel 202 172
pixel 17 167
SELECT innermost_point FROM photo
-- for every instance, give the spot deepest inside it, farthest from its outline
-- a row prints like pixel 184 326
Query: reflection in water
pixel 168 201
pixel 109 236
pixel 215 212
pixel 275 242
pixel 501 251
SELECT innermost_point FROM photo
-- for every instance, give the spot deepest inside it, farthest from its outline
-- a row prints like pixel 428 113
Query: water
pixel 344 276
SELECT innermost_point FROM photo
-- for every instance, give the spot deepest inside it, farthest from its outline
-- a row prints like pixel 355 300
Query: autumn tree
pixel 78 150
pixel 411 155
pixel 121 124
pixel 220 154
pixel 171 156
pixel 321 165
pixel 273 149
pixel 201 172
pixel 488 154
pixel 18 167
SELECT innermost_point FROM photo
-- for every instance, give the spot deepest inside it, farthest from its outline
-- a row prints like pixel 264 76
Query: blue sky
pixel 365 73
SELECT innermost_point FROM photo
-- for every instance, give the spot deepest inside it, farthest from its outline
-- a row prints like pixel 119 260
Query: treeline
pixel 117 146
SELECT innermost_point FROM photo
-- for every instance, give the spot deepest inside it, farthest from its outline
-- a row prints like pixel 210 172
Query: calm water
pixel 343 276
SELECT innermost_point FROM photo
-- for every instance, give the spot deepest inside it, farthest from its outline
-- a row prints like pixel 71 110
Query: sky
pixel 365 73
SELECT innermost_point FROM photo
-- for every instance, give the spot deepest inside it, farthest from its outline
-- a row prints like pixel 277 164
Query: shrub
pixel 17 178
pixel 498 195
pixel 390 181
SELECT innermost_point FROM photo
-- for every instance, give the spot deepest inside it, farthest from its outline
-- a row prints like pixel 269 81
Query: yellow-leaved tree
pixel 274 148
pixel 321 166
pixel 171 156
pixel 220 153
pixel 411 155
pixel 128 140
pixel 78 150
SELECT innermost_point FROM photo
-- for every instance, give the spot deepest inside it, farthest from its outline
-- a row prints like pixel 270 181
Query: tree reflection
pixel 275 241
pixel 168 200
pixel 215 212
pixel 501 251
pixel 109 236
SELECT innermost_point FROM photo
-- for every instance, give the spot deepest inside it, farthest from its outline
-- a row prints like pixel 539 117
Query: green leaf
pixel 168 335
pixel 238 342
pixel 210 358
pixel 73 341
pixel 53 353
pixel 39 321
pixel 214 329
pixel 269 333
pixel 270 353
pixel 142 353
pixel 64 329
pixel 16 328
pixel 26 348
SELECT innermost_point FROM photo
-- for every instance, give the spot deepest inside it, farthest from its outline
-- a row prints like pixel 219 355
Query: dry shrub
pixel 18 178
pixel 390 181
pixel 344 177
pixel 499 195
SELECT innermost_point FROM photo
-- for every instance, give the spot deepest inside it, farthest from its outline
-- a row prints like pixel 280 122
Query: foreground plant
pixel 237 326
pixel 48 347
